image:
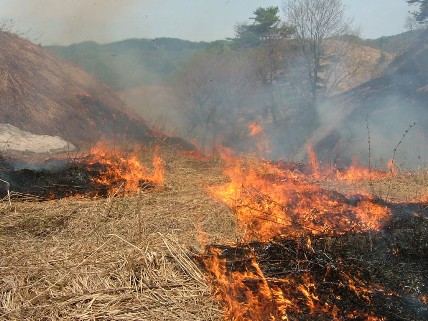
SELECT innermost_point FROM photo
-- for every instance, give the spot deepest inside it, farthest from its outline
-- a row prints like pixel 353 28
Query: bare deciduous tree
pixel 411 23
pixel 314 22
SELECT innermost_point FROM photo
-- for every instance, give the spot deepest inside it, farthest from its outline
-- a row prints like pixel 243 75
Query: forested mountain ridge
pixel 146 62
pixel 132 62
pixel 393 44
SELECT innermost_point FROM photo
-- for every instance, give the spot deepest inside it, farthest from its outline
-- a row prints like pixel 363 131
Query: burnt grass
pixel 65 180
pixel 382 274
pixel 372 274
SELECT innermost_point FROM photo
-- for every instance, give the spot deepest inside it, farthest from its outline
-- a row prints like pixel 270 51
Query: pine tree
pixel 422 15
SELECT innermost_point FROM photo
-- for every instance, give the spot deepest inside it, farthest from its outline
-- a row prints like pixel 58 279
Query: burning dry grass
pixel 311 252
pixel 402 187
pixel 81 259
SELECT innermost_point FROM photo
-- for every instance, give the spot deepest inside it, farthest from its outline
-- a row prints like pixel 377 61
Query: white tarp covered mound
pixel 15 140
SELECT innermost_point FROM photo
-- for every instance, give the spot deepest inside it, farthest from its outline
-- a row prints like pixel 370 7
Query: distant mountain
pixel 130 63
pixel 393 44
pixel 46 95
pixel 382 111
pixel 136 63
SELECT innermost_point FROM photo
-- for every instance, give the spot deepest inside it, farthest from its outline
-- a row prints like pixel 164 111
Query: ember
pixel 101 172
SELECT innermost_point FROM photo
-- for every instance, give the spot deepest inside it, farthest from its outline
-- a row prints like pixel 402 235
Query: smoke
pixel 68 21
pixel 63 22
pixel 372 125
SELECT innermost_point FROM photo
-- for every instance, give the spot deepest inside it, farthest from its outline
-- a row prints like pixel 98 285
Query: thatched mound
pixel 43 94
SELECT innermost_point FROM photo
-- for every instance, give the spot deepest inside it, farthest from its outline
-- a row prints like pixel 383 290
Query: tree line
pixel 274 71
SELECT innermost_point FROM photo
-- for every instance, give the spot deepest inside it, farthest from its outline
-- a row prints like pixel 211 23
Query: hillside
pixel 380 115
pixel 393 44
pixel 130 63
pixel 43 94
pixel 136 63
pixel 359 63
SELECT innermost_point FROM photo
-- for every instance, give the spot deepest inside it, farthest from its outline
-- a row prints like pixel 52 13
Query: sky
pixel 63 22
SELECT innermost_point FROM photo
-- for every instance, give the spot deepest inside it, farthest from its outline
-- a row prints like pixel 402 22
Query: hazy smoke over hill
pixel 68 20
pixel 389 111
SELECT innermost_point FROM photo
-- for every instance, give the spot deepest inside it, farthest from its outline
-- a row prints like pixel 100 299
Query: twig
pixel 370 155
pixel 138 209
pixel 8 191
pixel 112 199
pixel 399 143
pixel 394 153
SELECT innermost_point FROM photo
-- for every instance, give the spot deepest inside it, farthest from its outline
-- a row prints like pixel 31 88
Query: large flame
pixel 271 200
pixel 249 294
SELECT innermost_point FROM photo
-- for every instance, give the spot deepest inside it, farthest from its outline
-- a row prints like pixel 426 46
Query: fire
pixel 249 291
pixel 119 168
pixel 274 202
pixel 357 173
pixel 271 201
pixel 313 161
pixel 391 166
pixel 257 134
pixel 236 292
pixel 255 129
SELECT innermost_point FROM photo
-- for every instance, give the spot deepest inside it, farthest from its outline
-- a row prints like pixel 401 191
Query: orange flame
pixel 261 142
pixel 313 161
pixel 255 129
pixel 271 201
pixel 391 166
pixel 243 303
pixel 357 173
pixel 122 168
pixel 248 294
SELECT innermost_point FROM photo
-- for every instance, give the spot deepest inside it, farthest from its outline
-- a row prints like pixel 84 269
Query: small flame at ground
pixel 119 167
pixel 255 129
pixel 357 173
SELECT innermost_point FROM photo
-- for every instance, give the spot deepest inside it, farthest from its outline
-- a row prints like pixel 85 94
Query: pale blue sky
pixel 71 21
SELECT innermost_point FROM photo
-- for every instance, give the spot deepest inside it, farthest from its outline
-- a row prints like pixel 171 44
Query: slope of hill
pixel 130 63
pixel 358 63
pixel 384 118
pixel 43 94
pixel 393 44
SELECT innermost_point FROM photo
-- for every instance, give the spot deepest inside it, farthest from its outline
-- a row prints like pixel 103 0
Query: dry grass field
pixel 129 258
pixel 82 259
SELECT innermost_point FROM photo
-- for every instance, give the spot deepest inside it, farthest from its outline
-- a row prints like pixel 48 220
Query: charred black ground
pixel 57 179
pixel 378 274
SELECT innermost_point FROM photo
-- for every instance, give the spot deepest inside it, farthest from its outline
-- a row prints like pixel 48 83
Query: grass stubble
pixel 129 257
